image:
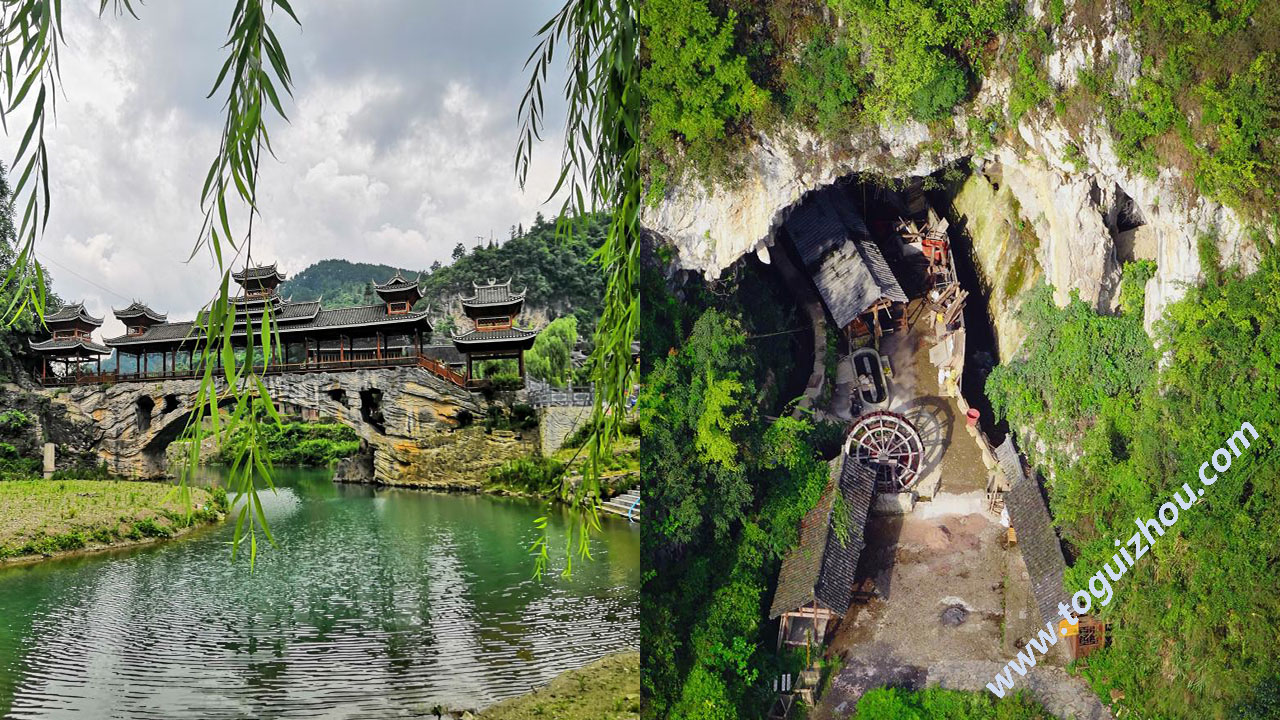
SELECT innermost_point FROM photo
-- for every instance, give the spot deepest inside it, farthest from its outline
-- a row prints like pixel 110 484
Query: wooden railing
pixel 442 370
pixel 109 378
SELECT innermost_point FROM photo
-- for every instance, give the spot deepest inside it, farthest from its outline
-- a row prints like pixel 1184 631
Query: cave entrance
pixel 901 243
pixel 1123 220
pixel 143 408
pixel 371 409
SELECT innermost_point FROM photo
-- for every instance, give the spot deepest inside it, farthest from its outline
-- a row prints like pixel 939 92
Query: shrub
pixel 537 475
pixel 822 89
pixel 695 85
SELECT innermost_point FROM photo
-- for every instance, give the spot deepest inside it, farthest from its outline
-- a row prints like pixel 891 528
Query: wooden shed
pixel 856 284
pixel 815 585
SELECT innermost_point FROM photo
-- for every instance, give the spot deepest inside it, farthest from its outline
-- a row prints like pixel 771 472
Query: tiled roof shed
pixel 821 567
pixel 847 267
pixel 1041 550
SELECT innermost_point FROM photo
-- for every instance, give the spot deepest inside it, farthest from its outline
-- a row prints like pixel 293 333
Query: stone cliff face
pixel 1068 184
pixel 74 436
pixel 417 429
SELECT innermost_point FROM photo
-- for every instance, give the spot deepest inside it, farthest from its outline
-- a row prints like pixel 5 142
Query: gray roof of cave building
pixel 72 311
pixel 494 293
pixel 1041 550
pixel 847 267
pixel 822 567
pixel 137 309
pixel 57 344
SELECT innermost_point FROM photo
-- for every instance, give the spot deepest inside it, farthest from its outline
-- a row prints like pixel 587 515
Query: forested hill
pixel 559 277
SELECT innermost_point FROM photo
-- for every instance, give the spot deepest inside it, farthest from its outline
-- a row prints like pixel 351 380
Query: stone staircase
pixel 626 505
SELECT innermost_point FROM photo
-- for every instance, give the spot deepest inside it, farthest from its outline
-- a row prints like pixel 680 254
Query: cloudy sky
pixel 400 142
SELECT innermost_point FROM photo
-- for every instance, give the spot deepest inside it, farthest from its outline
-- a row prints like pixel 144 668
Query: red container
pixel 972 417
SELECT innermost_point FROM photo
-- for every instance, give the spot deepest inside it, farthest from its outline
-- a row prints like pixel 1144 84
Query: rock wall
pixel 1067 180
pixel 47 419
pixel 417 429
pixel 556 424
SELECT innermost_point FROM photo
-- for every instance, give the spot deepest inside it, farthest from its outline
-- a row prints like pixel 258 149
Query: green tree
pixel 548 360
pixel 696 85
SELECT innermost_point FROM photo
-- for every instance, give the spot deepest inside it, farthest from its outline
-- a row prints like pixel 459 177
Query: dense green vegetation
pixel 1195 618
pixel 15 354
pixel 939 704
pixel 549 358
pixel 1208 98
pixel 725 491
pixel 315 444
pixel 557 274
pixel 715 69
pixel 1206 101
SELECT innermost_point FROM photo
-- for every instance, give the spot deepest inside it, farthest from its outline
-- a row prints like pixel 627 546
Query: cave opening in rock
pixel 170 403
pixel 888 282
pixel 338 395
pixel 143 408
pixel 1123 220
pixel 371 409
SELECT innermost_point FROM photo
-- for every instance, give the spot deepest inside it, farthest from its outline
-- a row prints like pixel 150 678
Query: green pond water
pixel 378 603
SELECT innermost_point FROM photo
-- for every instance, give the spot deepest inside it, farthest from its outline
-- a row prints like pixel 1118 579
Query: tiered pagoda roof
pixel 257 278
pixel 493 307
pixel 399 289
pixel 493 300
pixel 259 273
pixel 72 313
pixel 513 338
pixel 139 314
pixel 69 346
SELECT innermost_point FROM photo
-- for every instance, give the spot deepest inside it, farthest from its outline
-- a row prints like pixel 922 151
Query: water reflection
pixel 378 603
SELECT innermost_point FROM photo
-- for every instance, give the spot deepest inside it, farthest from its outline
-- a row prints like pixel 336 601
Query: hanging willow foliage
pixel 600 170
pixel 233 351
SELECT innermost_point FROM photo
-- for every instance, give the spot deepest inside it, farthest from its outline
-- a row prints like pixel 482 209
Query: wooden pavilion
pixel 493 309
pixel 390 332
pixel 71 343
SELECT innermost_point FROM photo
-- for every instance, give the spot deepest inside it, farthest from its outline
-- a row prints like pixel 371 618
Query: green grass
pixel 43 517
pixel 317 444
pixel 938 704
pixel 608 689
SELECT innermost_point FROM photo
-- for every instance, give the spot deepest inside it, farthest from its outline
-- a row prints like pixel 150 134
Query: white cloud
pixel 400 143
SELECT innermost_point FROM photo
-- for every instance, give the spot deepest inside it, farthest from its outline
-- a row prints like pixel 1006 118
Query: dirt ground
pixel 953 605
pixel 952 457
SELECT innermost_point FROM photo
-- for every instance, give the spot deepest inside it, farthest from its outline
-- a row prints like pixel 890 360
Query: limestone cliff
pixel 1063 179
pixel 417 429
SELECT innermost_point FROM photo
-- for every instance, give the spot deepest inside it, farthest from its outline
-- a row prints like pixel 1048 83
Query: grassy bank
pixel 608 689
pixel 44 517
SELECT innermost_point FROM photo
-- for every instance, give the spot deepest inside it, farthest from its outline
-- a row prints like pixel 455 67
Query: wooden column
pixel 378 339
pixel 342 348
pixel 522 364
pixel 417 334
pixel 468 366
pixel 144 362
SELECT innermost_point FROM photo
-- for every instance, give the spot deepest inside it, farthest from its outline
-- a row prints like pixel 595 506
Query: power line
pixel 91 282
